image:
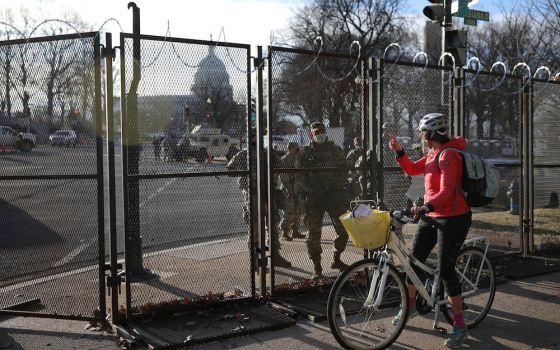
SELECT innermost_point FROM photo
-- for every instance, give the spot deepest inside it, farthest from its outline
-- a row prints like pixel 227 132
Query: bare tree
pixel 511 40
pixel 316 91
pixel 47 71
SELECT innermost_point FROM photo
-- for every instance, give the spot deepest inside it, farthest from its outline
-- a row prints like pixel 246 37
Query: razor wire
pixel 167 34
pixel 502 80
pixel 387 72
pixel 228 53
pixel 419 75
pixel 452 75
pixel 478 68
pixel 334 80
pixel 528 78
pixel 312 62
pixel 392 67
pixel 24 52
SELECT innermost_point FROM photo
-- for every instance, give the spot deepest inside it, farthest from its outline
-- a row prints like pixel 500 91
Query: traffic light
pixel 435 12
pixel 457 46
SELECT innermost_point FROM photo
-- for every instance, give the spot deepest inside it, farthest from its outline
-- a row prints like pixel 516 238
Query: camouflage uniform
pixel 239 162
pixel 353 156
pixel 353 176
pixel 325 193
pixel 291 217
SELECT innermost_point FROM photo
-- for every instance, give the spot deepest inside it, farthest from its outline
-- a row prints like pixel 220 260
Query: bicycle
pixel 367 296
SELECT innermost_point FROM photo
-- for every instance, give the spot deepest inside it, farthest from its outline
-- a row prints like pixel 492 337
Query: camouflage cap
pixel 317 125
pixel 293 145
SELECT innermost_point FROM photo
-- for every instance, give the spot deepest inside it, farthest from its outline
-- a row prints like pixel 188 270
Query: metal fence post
pixel 134 263
pixel 261 178
pixel 114 279
pixel 379 164
pixel 372 123
pixel 527 170
pixel 458 120
pixel 364 126
pixel 252 252
pixel 100 178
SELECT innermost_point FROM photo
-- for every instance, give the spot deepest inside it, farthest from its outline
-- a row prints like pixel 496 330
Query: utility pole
pixel 446 25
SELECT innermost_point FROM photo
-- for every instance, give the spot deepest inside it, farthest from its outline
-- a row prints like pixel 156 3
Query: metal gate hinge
pixel 107 51
pixel 257 62
pixel 108 267
pixel 114 281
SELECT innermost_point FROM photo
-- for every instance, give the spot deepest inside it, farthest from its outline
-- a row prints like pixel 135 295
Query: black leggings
pixel 450 232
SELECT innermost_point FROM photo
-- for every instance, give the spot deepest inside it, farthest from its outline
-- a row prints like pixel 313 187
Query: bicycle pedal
pixel 441 330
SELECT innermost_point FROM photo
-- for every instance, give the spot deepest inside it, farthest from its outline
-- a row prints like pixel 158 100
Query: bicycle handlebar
pixel 404 216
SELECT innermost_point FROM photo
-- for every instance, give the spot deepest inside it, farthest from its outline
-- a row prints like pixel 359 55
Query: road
pixel 50 226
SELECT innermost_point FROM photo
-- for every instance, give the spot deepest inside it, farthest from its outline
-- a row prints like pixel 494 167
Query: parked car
pixel 23 141
pixel 64 138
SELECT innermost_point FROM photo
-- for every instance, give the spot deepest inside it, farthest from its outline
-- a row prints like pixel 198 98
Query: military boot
pixel 337 263
pixel 286 236
pixel 296 234
pixel 279 261
pixel 317 269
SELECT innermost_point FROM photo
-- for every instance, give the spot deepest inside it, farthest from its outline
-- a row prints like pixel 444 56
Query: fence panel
pixel 546 170
pixel 51 177
pixel 304 88
pixel 493 127
pixel 186 241
pixel 408 93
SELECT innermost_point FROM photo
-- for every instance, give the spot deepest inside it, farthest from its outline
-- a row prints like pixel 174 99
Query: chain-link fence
pixel 546 169
pixel 492 126
pixel 189 169
pixel 186 117
pixel 312 181
pixel 51 177
pixel 408 92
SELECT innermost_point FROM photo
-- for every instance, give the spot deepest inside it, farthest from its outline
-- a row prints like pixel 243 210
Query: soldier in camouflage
pixel 249 188
pixel 354 154
pixel 291 216
pixel 325 193
pixel 353 186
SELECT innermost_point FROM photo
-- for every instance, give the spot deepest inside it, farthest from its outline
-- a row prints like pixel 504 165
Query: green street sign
pixel 463 8
pixel 478 15
pixel 470 22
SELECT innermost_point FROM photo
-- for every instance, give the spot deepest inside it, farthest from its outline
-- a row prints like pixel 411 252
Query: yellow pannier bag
pixel 368 232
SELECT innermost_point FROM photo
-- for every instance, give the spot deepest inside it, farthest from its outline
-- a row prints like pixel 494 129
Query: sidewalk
pixel 525 315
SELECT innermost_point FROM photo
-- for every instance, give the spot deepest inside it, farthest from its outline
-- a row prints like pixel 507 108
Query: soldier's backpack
pixel 481 180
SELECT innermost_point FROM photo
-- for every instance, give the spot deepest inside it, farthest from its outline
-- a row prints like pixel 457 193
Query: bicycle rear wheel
pixel 359 326
pixel 477 295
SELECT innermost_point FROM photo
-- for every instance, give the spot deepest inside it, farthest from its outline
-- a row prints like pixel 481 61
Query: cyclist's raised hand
pixel 394 144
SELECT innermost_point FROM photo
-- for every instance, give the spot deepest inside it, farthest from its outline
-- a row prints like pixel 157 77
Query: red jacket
pixel 442 184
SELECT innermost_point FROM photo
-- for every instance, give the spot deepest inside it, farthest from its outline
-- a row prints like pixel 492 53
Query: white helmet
pixel 434 122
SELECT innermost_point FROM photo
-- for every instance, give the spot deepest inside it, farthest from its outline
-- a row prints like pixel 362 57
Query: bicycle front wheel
pixel 357 324
pixel 477 278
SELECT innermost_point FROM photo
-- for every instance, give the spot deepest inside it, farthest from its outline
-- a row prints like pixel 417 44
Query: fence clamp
pixel 114 281
pixel 257 62
pixel 107 51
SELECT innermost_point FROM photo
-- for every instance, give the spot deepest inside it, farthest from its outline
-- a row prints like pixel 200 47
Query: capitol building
pixel 210 101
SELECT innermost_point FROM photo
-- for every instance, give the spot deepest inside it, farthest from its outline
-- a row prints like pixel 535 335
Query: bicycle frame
pixel 398 247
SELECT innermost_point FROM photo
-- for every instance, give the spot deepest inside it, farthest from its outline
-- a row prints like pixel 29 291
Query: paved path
pixel 524 316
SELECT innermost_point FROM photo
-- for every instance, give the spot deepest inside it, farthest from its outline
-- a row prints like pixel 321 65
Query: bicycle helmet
pixel 434 122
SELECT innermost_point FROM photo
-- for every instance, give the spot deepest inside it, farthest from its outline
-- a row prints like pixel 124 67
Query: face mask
pixel 319 138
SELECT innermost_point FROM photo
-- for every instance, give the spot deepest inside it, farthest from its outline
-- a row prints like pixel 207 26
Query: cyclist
pixel 448 216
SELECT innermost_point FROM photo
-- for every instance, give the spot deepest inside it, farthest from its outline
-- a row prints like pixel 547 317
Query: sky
pixel 244 21
pixel 254 22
